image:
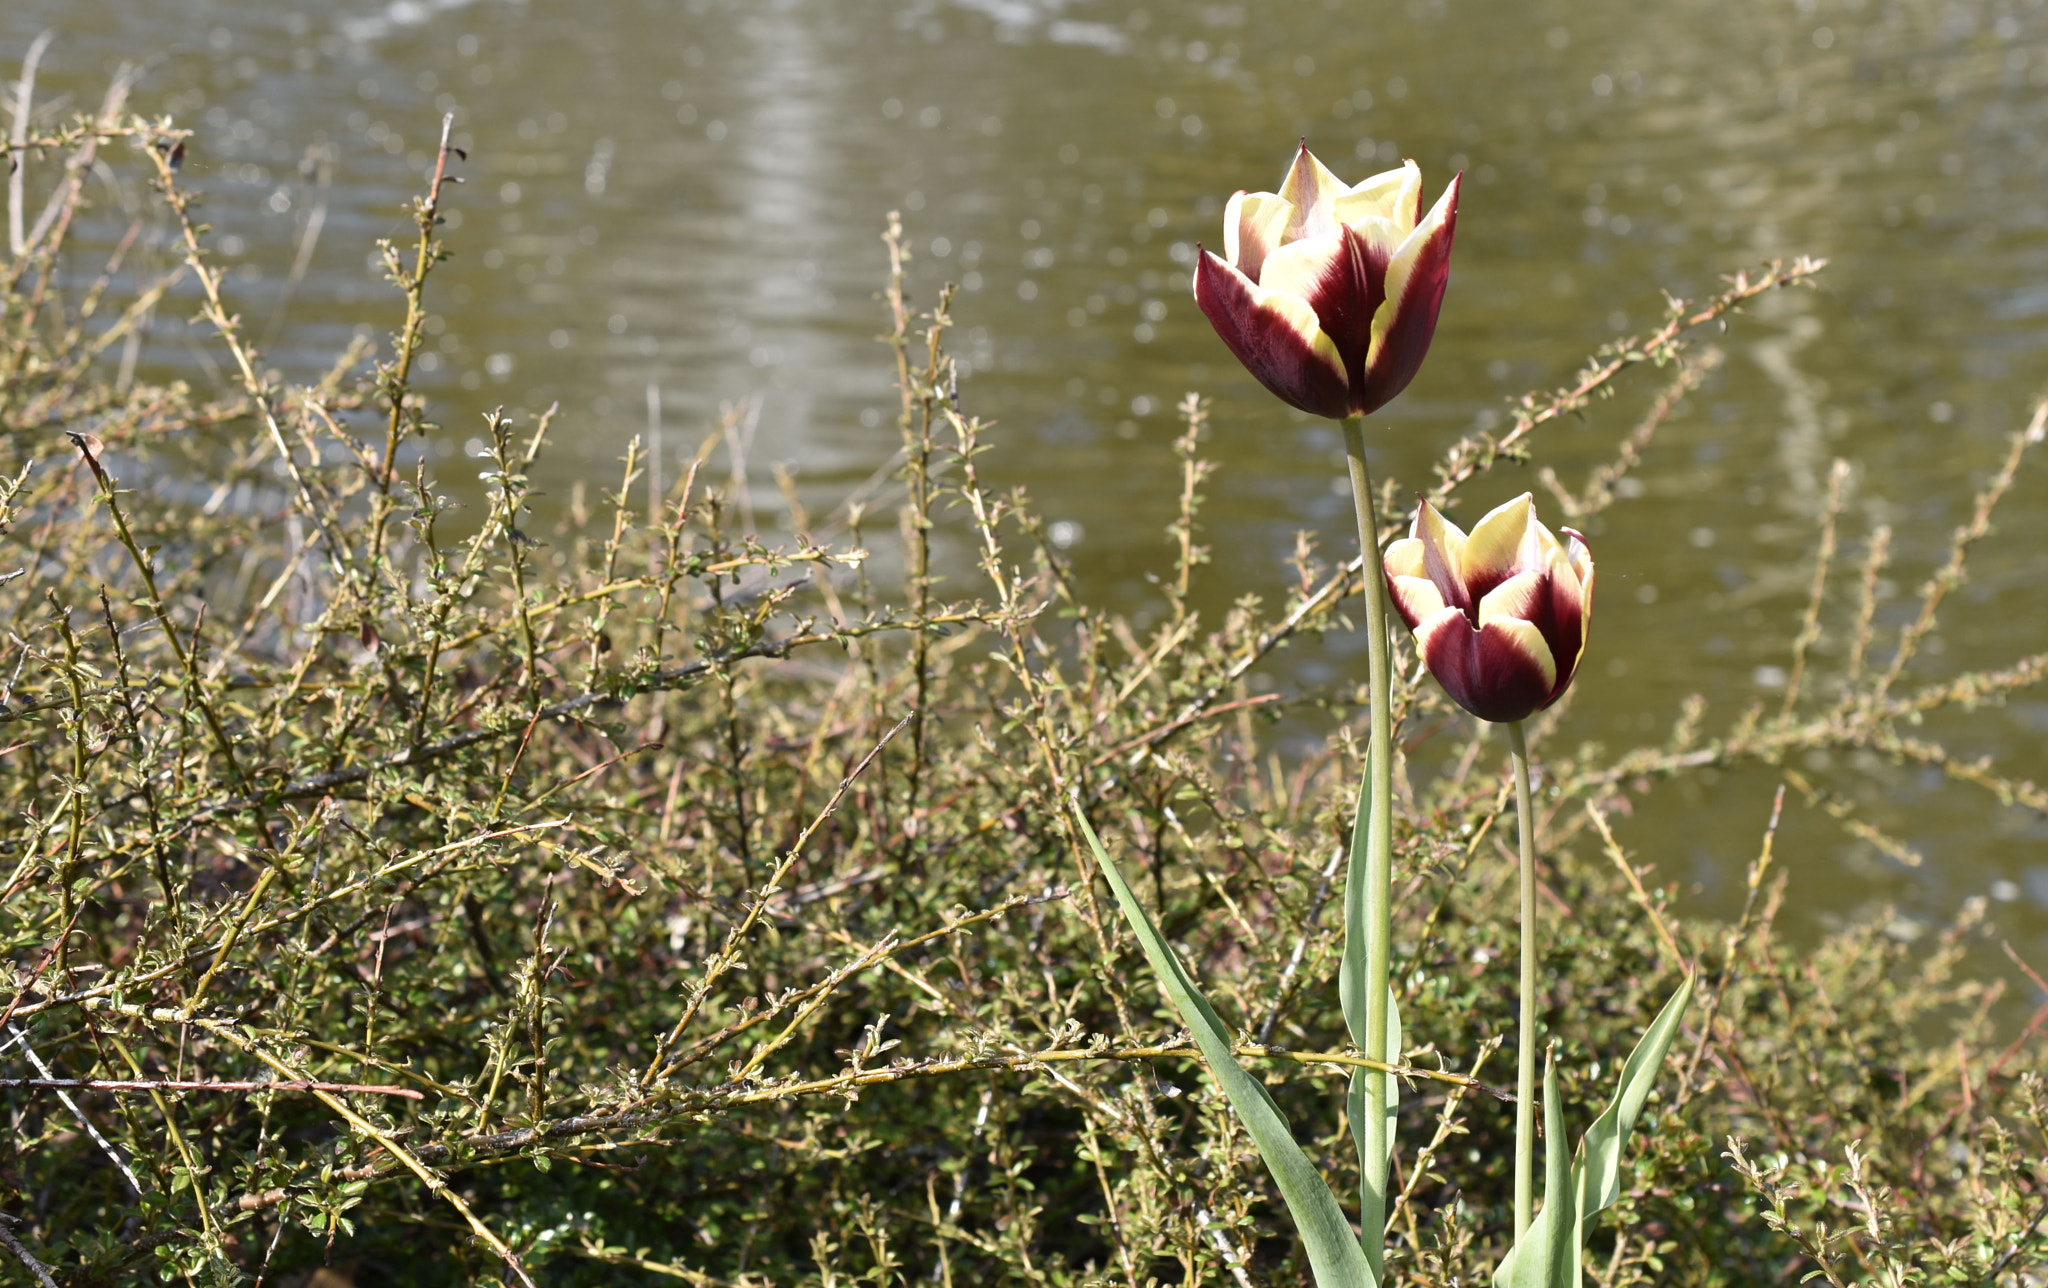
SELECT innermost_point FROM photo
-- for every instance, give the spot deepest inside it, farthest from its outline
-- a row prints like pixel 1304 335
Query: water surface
pixel 692 195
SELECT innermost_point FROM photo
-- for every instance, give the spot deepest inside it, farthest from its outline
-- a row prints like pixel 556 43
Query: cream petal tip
pixel 1403 558
pixel 1496 540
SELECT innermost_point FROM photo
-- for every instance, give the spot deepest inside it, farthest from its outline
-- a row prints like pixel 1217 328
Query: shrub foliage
pixel 420 891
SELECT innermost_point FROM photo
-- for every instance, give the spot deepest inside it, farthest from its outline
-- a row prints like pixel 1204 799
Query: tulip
pixel 1500 616
pixel 1328 293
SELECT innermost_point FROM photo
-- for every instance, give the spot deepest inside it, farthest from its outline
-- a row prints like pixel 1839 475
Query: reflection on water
pixel 691 195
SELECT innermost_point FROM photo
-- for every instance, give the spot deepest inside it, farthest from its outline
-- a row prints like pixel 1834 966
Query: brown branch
pixel 27 1258
pixel 1477 452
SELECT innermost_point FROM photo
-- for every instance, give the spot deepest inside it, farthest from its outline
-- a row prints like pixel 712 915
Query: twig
pixel 17 140
pixel 135 1084
pixel 1732 945
pixel 1308 928
pixel 1598 493
pixel 406 1158
pixel 106 1146
pixel 1951 574
pixel 2019 1241
pixel 661 1066
pixel 1478 452
pixel 667 678
pixel 1809 630
pixel 667 1106
pixel 1635 885
pixel 36 1268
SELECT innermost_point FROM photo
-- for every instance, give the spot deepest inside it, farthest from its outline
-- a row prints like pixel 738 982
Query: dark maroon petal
pixel 1283 360
pixel 1414 322
pixel 1560 616
pixel 1486 672
pixel 1544 607
pixel 1566 607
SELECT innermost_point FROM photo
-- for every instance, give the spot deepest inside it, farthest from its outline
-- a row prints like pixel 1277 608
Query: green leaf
pixel 1334 1254
pixel 1595 1178
pixel 1353 981
pixel 1600 1151
pixel 1552 1261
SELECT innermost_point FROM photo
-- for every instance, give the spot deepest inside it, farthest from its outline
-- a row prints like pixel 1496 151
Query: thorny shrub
pixel 642 899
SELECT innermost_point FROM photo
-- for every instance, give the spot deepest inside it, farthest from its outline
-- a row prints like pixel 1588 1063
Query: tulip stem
pixel 1379 866
pixel 1525 1047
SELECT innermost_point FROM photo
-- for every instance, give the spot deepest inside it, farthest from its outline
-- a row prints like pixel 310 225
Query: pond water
pixel 691 195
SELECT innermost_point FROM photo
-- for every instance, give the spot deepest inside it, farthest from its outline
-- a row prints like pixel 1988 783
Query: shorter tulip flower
pixel 1500 616
pixel 1327 292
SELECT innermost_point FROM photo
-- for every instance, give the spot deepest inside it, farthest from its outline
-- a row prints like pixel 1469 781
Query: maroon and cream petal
pixel 1563 616
pixel 1443 547
pixel 1493 552
pixel 1408 206
pixel 1306 267
pixel 1313 192
pixel 1580 556
pixel 1538 544
pixel 1518 673
pixel 1518 597
pixel 1276 336
pixel 1416 599
pixel 1447 644
pixel 1253 224
pixel 1333 273
pixel 1403 558
pixel 1381 239
pixel 1415 281
pixel 1499 673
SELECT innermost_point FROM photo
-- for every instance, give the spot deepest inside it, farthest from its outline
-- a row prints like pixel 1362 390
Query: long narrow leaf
pixel 1550 1256
pixel 1600 1152
pixel 1334 1254
pixel 1559 1211
pixel 1357 909
pixel 1596 1170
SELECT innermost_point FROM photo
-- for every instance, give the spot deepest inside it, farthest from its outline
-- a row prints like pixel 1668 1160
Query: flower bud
pixel 1499 616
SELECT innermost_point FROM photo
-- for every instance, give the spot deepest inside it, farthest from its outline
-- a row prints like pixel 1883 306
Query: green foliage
pixel 1334 1254
pixel 448 894
pixel 1592 1181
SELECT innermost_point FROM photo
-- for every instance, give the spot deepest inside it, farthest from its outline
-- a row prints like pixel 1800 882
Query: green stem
pixel 1525 1042
pixel 1379 867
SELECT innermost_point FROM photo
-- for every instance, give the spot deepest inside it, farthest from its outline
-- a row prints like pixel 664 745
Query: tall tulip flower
pixel 1500 616
pixel 1328 293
